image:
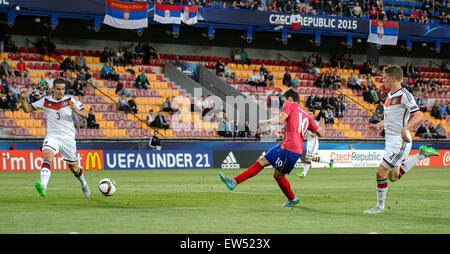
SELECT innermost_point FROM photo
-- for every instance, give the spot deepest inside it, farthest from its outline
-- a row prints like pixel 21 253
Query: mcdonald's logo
pixel 94 161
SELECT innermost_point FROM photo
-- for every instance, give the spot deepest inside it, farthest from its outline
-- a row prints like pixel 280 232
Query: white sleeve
pixel 77 103
pixel 39 104
pixel 409 102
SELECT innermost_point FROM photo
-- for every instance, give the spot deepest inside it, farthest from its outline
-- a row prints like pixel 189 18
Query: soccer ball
pixel 107 186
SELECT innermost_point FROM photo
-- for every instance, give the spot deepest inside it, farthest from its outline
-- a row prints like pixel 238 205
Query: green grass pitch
pixel 196 201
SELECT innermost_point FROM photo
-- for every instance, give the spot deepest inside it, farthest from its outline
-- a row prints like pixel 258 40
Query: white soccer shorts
pixel 312 148
pixel 395 153
pixel 67 147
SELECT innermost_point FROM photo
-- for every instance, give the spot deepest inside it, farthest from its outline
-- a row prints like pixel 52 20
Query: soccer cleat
pixel 231 183
pixel 331 165
pixel 301 175
pixel 292 202
pixel 40 189
pixel 375 209
pixel 86 191
pixel 428 151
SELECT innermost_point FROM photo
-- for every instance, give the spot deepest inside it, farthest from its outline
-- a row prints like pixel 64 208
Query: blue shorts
pixel 282 160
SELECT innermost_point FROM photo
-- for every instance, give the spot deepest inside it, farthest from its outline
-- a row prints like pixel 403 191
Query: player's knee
pixel 393 178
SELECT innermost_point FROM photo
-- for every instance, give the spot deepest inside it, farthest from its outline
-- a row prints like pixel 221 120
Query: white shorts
pixel 67 147
pixel 395 153
pixel 312 148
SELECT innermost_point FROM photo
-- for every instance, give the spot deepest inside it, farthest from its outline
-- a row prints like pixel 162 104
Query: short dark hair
pixel 59 81
pixel 293 94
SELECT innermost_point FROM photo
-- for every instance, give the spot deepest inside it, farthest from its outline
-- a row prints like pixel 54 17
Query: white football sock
pixel 409 164
pixel 381 196
pixel 45 176
pixel 306 168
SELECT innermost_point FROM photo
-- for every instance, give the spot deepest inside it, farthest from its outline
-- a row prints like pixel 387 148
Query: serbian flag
pixel 295 21
pixel 167 14
pixel 189 15
pixel 383 32
pixel 126 15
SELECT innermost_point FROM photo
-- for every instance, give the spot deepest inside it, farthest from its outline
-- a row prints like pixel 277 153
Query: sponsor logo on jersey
pixel 230 162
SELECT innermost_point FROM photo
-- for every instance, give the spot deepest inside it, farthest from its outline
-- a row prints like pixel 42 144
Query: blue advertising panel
pixel 129 159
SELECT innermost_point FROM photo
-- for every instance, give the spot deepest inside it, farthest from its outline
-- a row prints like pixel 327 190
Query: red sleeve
pixel 286 109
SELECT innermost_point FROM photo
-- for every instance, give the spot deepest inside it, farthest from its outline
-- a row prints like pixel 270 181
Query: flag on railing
pixel 167 14
pixel 295 21
pixel 126 15
pixel 189 16
pixel 383 32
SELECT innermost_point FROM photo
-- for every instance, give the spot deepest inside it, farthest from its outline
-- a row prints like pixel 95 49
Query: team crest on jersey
pixel 394 100
pixel 64 103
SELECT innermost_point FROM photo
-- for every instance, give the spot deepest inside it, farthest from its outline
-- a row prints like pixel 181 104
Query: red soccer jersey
pixel 295 127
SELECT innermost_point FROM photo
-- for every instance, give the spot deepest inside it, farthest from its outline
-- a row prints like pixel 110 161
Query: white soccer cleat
pixel 375 209
pixel 86 191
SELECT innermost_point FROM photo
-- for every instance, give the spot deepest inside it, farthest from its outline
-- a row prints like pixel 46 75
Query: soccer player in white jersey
pixel 312 149
pixel 60 132
pixel 401 114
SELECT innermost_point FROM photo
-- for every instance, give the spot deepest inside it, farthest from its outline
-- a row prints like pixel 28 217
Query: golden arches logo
pixel 92 160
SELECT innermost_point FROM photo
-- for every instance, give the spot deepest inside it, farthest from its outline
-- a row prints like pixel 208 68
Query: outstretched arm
pixel 276 120
pixel 27 108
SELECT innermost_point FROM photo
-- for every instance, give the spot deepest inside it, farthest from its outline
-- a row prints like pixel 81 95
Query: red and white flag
pixel 295 21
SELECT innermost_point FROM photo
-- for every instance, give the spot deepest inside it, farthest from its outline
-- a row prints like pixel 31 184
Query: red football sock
pixel 250 172
pixel 285 186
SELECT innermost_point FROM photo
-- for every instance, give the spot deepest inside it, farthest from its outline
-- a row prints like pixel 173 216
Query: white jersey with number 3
pixel 59 115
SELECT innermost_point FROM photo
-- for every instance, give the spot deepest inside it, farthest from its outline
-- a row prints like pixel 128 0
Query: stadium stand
pixel 113 124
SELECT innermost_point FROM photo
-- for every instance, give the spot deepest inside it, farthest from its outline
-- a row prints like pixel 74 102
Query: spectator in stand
pixel 79 88
pixel 122 105
pixel 244 57
pixel 440 131
pixel 67 64
pixel 139 50
pixel 4 85
pixel 436 110
pixel 80 62
pixel 141 82
pixel 320 81
pixel 105 56
pixel 424 130
pixel 401 15
pixel 390 14
pixel 373 12
pixel 21 69
pixel 133 105
pixel 227 72
pixel 220 68
pixel 3 102
pixel 167 107
pixel 83 75
pixel 423 18
pixel 6 69
pixel 287 80
pixel 442 111
pixel 444 18
pixel 329 9
pixel 9 45
pixel 128 58
pixel 15 91
pixel 267 75
pixel 436 86
pixel 149 53
pixel 367 96
pixel 254 78
pixel 91 121
pixel 426 7
pixel 108 72
pixel 160 121
pixel 237 57
pixel 150 121
pixel 11 102
pixel 261 80
pixel 340 108
pixel 414 16
pixel 351 83
pixel 320 115
pixel 120 89
pixel 422 106
pixel 49 81
pixel 329 116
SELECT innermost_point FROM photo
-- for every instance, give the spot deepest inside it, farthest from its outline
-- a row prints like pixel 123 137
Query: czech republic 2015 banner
pixel 126 15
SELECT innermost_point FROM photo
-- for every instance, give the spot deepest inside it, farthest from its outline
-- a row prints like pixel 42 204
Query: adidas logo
pixel 230 162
